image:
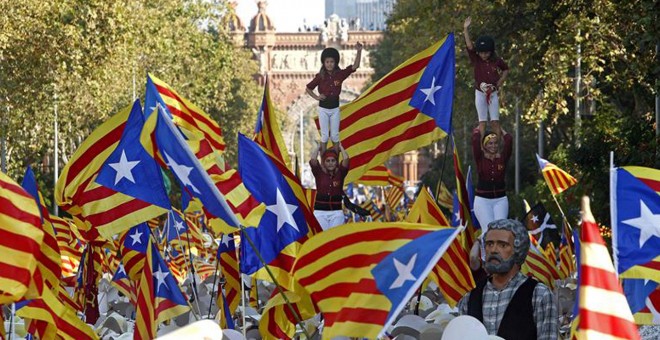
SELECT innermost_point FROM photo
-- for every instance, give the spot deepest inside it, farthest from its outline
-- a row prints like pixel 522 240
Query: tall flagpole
pixel 302 146
pixel 56 163
pixel 3 150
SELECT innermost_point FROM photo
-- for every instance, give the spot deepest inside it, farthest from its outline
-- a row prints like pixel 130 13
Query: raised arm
pixel 314 155
pixel 358 56
pixel 344 156
pixel 466 34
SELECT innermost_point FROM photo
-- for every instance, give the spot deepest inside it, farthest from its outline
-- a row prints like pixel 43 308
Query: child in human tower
pixel 489 74
pixel 329 81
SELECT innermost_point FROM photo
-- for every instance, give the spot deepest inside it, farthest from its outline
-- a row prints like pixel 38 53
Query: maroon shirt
pixel 330 86
pixel 486 71
pixel 329 187
pixel 491 172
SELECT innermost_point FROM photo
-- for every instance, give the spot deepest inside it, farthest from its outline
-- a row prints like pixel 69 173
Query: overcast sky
pixel 287 15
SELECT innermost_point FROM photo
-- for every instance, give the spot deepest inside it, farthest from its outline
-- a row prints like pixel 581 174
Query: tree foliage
pixel 90 58
pixel 539 40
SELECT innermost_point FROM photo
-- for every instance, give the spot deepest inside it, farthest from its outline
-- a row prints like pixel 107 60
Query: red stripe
pixel 651 183
pixel 100 145
pixel 16 189
pixel 192 117
pixel 354 261
pixel 357 315
pixel 121 210
pixel 445 286
pixel 19 274
pixel 18 242
pixel 387 144
pixel 273 328
pixel 376 108
pixel 436 214
pixel 607 324
pixel 596 277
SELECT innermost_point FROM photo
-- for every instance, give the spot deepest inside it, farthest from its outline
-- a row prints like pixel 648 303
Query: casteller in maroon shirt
pixel 491 172
pixel 330 85
pixel 329 186
pixel 486 71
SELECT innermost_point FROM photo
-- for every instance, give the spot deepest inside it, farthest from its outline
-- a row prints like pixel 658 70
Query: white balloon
pixel 465 327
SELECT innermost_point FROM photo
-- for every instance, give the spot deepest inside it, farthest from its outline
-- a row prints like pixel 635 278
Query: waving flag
pixel 406 109
pixel 133 248
pixel 443 196
pixel 378 175
pixel 287 217
pixel 635 208
pixel 228 262
pixel 539 266
pixel 183 112
pixel 463 201
pixel 130 169
pixel 101 210
pixel 20 238
pixel 50 260
pixel 470 194
pixel 539 223
pixel 189 171
pixel 452 273
pixel 123 284
pixel 557 179
pixel 361 278
pixel 267 133
pixel 48 318
pixel 604 312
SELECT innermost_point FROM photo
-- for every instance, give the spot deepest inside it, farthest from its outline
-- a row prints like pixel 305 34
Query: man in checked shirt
pixel 510 304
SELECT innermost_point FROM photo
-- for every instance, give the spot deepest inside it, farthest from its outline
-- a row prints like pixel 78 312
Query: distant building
pixel 368 15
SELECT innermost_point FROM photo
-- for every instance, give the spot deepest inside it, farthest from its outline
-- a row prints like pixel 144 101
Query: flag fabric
pixel 650 314
pixel 130 169
pixel 463 203
pixel 443 196
pixel 100 210
pixel 133 249
pixel 374 212
pixel 452 273
pixel 188 170
pixel 539 266
pixel 49 318
pixel 50 260
pixel 424 210
pixel 361 278
pixel 557 179
pixel 288 217
pixel 21 236
pixel 406 109
pixel 635 210
pixel 539 223
pixel 267 132
pixel 226 318
pixel 123 284
pixel 604 311
pixel 566 260
pixel 378 175
pixel 393 196
pixel 470 194
pixel 183 112
pixel 228 262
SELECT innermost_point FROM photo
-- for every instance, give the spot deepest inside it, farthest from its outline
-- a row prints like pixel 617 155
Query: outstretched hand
pixel 467 22
pixel 359 46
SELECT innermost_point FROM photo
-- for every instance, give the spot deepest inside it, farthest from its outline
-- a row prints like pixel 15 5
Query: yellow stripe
pixel 590 334
pixel 643 172
pixel 596 255
pixel 356 300
pixel 605 302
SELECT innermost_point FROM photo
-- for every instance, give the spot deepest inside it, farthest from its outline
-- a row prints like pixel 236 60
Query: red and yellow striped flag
pixel 188 115
pixel 382 123
pixel 378 175
pixel 267 132
pixel 539 266
pixel 463 200
pixel 21 236
pixel 557 179
pixel 604 310
pixel 452 273
pixel 101 211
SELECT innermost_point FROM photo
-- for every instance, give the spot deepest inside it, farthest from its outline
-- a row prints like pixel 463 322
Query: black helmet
pixel 330 53
pixel 485 44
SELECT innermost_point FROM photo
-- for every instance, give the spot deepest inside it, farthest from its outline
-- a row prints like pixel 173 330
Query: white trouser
pixel 329 218
pixel 483 108
pixel 490 209
pixel 329 123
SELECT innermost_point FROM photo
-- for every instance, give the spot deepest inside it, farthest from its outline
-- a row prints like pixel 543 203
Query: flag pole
pixel 189 264
pixel 12 321
pixel 277 285
pixel 215 277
